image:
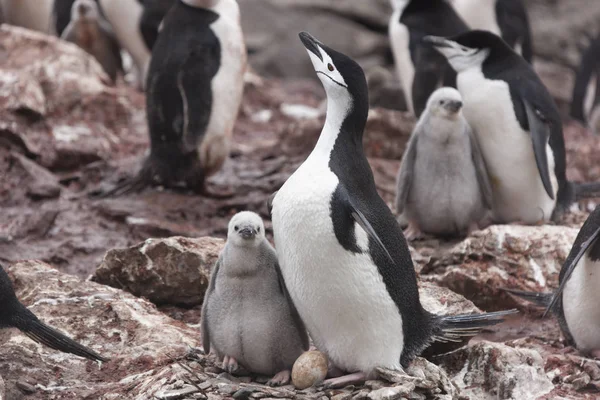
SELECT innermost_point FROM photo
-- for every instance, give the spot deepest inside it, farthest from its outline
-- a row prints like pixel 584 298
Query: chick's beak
pixel 247 232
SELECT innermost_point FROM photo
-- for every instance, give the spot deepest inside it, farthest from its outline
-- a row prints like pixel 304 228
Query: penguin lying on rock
pixel 576 302
pixel 343 257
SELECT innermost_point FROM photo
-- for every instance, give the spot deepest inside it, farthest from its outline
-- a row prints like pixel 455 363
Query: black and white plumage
pixel 575 302
pixel 343 257
pixel 585 100
pixel 505 18
pixel 443 185
pixel 194 90
pixel 88 29
pixel 151 19
pixel 518 128
pixel 13 314
pixel 420 69
pixel 248 318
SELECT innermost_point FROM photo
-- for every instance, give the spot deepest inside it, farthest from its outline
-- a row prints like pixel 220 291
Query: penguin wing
pixel 480 169
pixel 270 203
pixel 406 172
pixel 204 313
pixel 540 130
pixel 590 64
pixel 587 236
pixel 298 323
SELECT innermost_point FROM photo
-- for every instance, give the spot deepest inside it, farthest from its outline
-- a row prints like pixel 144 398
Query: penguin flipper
pixel 540 134
pixel 452 328
pixel 483 179
pixel 589 65
pixel 30 325
pixel 537 298
pixel 406 173
pixel 298 323
pixel 204 312
pixel 567 270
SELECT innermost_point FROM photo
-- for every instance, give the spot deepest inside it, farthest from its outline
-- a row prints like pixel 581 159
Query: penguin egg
pixel 309 369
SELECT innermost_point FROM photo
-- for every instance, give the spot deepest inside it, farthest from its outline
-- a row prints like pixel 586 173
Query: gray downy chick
pixel 92 33
pixel 247 316
pixel 443 185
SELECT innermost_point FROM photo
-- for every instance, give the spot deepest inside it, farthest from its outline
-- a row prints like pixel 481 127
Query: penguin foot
pixel 413 232
pixel 280 378
pixel 356 378
pixel 230 364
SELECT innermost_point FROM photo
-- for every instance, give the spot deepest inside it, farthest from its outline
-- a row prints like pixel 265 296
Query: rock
pixel 141 342
pixel 55 101
pixel 501 256
pixel 488 370
pixel 43 184
pixel 309 369
pixel 174 270
pixel 392 393
pixel 387 133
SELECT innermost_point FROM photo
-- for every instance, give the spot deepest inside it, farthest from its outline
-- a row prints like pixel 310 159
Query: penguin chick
pixel 247 316
pixel 13 314
pixel 443 186
pixel 92 33
pixel 575 302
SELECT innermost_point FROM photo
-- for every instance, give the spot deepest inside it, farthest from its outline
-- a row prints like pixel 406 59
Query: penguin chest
pixel 340 295
pixel 581 304
pixel 507 149
pixel 400 40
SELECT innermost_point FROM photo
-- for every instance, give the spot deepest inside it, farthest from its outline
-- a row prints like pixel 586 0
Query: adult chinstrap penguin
pixel 518 128
pixel 589 70
pixel 505 18
pixel 13 314
pixel 575 302
pixel 194 90
pixel 343 257
pixel 420 69
pixel 151 19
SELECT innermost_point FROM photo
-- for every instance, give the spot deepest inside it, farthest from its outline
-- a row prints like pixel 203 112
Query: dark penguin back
pixel 152 16
pixel 185 58
pixel 513 22
pixel 430 17
pixel 357 185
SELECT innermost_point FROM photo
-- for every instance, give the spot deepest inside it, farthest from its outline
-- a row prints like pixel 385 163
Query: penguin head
pixel 342 78
pixel 470 49
pixel 84 10
pixel 246 229
pixel 446 102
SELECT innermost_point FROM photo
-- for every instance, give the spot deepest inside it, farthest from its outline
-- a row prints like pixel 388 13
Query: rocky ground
pixel 64 131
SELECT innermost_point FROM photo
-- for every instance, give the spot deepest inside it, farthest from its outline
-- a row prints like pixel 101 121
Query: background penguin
pixel 344 260
pixel 505 18
pixel 13 314
pixel 420 69
pixel 443 186
pixel 31 14
pixel 584 102
pixel 91 32
pixel 195 84
pixel 62 13
pixel 518 128
pixel 152 16
pixel 247 316
pixel 577 298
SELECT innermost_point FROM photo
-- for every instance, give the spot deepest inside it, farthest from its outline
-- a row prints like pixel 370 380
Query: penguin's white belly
pixel 518 191
pixel 340 295
pixel 399 40
pixel 581 304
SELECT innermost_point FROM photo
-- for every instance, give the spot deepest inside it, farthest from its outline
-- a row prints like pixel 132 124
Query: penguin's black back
pixel 9 305
pixel 514 25
pixel 349 163
pixel 152 16
pixel 185 57
pixel 590 66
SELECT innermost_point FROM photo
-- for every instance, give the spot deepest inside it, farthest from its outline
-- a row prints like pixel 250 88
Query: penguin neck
pixel 344 125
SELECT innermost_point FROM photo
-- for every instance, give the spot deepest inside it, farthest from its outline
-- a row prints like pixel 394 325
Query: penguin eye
pixel 442 102
pixel 236 227
pixel 330 67
pixel 258 229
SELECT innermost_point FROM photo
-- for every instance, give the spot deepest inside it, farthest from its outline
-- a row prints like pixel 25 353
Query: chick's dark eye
pixel 258 230
pixel 442 102
pixel 330 67
pixel 236 227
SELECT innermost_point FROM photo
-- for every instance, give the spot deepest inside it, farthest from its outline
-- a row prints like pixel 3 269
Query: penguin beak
pixel 438 42
pixel 454 106
pixel 311 44
pixel 247 232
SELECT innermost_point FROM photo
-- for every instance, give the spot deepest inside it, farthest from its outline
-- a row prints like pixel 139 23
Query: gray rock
pixel 174 270
pixel 392 393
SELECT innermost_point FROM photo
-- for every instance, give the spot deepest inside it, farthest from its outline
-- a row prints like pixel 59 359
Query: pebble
pixel 25 387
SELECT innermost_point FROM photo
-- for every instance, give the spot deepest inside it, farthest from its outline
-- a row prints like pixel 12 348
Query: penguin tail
pixel 453 328
pixel 587 190
pixel 537 298
pixel 30 325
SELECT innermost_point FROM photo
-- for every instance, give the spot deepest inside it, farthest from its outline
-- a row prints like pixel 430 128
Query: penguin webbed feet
pixel 281 378
pixel 356 378
pixel 230 365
